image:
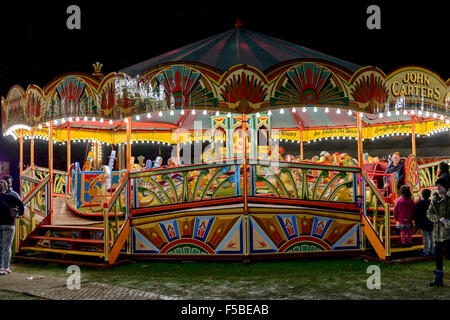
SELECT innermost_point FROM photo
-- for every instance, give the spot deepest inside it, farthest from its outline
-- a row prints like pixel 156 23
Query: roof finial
pixel 238 23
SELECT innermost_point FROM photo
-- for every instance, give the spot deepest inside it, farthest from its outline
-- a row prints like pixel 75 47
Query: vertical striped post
pixel 244 171
pixel 69 160
pixel 106 230
pixel 387 227
pixel 50 170
pixel 413 136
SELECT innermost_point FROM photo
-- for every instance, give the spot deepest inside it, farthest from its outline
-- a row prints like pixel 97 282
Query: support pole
pixel 178 146
pixel 50 170
pixel 360 144
pixel 32 151
pixel 413 135
pixel 244 171
pixel 69 160
pixel 129 165
pixel 21 160
pixel 301 143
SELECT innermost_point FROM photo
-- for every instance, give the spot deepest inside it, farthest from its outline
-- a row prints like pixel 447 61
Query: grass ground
pixel 343 278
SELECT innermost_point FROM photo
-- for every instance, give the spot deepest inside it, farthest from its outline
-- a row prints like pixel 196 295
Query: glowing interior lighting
pixel 171 112
pixel 293 110
pixel 397 113
pixel 229 115
pixel 349 112
pixel 217 113
pixel 77 119
pixel 110 122
pixel 204 112
pixel 338 111
pixel 380 115
pixel 193 112
pixel 304 109
pixel 257 114
pixel 326 110
pixel 137 118
pixel 160 114
pixel 149 115
pixel 281 111
pixel 389 113
pixel 315 109
pixel 101 120
pixel 182 112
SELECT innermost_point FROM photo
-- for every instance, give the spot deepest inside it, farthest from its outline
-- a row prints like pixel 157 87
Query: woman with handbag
pixel 10 208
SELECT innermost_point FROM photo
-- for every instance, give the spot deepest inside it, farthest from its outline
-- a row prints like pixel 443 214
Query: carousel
pixel 199 153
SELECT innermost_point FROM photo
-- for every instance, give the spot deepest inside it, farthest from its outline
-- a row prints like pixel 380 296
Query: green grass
pixel 293 279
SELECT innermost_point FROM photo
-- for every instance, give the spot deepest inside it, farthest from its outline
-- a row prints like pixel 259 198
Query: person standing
pixel 439 214
pixel 423 223
pixel 395 166
pixel 7 225
pixel 9 181
pixel 443 171
pixel 403 214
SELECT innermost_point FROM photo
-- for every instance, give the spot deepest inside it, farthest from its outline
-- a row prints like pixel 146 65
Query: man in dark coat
pixel 396 166
pixel 7 225
pixel 443 171
pixel 9 181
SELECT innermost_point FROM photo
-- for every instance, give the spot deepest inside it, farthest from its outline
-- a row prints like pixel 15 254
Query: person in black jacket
pixel 443 171
pixel 9 181
pixel 395 166
pixel 7 225
pixel 422 222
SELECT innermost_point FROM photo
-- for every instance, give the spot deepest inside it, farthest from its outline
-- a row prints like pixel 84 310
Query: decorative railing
pixel 35 198
pixel 60 178
pixel 187 184
pixel 115 234
pixel 428 173
pixel 375 215
pixel 303 181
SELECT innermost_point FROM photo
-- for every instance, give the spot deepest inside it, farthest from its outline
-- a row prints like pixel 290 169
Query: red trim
pixel 187 240
pixel 304 238
pixel 318 203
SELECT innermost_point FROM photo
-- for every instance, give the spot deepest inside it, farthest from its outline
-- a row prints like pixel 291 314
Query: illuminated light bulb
pixel 380 115
pixel 315 109
pixel 293 110
pixel 126 119
pixel 217 113
pixel 413 112
pixel 193 112
pixel 397 113
pixel 171 112
pixel 160 114
pixel 93 119
pixel 434 115
pixel 281 111
pixel 137 118
pixel 77 119
pixel 229 115
pixel 269 113
pixel 361 114
pixel 349 112
pixel 85 118
pixel 63 120
pixel 101 120
pixel 110 122
pixel 70 119
pixel 204 112
pixel 149 115
pixel 40 126
pixel 257 114
pixel 55 122
pixel 447 122
pixel 182 112
pixel 338 111
pixel 326 110
pixel 405 112
pixel 427 114
pixel 304 109
pixel 420 112
pixel 389 113
pixel 441 117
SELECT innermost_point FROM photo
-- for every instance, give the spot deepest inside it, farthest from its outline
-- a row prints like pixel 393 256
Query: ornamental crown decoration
pixel 97 69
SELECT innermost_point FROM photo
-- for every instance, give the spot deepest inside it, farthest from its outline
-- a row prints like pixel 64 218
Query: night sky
pixel 36 45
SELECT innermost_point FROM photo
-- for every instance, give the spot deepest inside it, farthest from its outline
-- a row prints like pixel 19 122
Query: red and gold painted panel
pixel 244 235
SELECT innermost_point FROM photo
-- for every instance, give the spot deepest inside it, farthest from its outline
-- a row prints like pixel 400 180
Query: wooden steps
pixel 91 241
pixel 64 251
pixel 59 227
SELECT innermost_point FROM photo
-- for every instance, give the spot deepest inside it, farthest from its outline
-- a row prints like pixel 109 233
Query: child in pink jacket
pixel 404 214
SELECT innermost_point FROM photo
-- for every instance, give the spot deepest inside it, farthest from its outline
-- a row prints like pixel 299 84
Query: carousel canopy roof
pixel 238 46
